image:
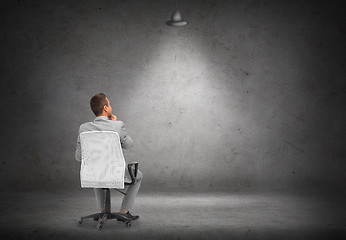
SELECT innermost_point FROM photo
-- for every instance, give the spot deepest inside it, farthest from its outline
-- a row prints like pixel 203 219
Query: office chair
pixel 103 166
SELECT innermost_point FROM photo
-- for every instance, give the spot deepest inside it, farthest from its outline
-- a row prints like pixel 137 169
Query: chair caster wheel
pixel 99 226
pixel 80 221
pixel 128 224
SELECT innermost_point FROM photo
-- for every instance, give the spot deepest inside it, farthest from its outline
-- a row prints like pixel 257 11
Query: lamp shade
pixel 176 20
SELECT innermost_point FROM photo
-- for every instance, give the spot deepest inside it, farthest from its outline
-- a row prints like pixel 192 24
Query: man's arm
pixel 125 140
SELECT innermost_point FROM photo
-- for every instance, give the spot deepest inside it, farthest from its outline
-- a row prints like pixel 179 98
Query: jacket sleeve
pixel 125 140
pixel 78 155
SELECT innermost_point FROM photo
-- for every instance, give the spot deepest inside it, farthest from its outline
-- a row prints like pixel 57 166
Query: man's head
pixel 100 105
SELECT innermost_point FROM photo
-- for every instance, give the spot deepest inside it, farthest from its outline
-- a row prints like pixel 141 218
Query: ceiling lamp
pixel 176 19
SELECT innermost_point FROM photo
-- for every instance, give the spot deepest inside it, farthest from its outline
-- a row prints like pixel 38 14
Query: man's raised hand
pixel 112 117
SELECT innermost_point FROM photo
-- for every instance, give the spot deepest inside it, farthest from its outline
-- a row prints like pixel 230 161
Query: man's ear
pixel 105 108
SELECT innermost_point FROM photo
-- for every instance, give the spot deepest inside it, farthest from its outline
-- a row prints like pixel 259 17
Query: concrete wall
pixel 250 95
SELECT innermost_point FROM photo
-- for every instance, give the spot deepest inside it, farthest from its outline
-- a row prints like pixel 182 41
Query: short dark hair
pixel 97 102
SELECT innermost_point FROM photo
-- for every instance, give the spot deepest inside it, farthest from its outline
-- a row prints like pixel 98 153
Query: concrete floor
pixel 54 215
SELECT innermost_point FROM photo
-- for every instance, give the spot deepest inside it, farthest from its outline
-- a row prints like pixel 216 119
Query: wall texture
pixel 250 95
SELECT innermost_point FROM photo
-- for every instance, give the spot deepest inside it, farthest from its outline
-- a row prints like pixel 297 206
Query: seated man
pixel 106 121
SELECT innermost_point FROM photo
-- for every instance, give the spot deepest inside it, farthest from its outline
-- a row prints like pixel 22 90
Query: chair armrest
pixel 133 169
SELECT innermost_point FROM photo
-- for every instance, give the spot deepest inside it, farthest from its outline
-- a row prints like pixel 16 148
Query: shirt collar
pixel 101 118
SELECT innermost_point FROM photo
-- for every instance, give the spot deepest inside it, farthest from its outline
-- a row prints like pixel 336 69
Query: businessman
pixel 106 121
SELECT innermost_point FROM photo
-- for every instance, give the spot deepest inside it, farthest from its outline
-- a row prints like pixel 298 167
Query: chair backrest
pixel 103 163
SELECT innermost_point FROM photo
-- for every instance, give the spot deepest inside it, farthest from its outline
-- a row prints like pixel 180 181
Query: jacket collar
pixel 99 118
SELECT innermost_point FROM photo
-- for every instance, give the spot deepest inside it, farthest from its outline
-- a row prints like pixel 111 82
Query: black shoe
pixel 123 217
pixel 129 215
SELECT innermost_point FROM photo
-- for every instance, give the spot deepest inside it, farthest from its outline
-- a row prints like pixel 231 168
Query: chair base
pixel 101 217
pixel 133 169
